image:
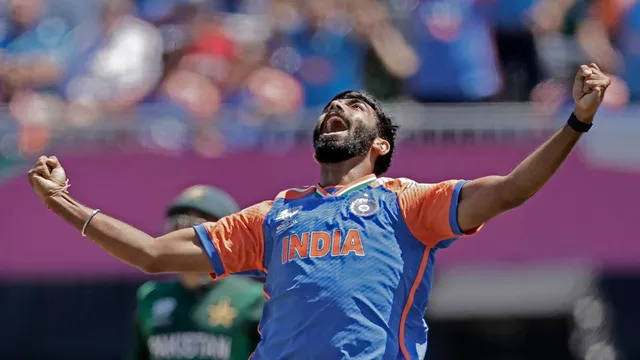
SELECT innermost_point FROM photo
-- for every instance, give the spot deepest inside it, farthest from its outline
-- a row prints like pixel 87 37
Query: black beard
pixel 331 150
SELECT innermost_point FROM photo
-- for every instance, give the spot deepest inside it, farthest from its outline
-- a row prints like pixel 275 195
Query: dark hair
pixel 387 128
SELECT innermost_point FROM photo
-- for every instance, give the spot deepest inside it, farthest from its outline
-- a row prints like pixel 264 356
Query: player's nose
pixel 337 105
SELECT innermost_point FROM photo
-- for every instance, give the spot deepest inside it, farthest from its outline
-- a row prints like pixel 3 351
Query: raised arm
pixel 485 198
pixel 180 251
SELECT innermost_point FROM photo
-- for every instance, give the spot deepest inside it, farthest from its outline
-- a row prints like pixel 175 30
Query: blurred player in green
pixel 192 317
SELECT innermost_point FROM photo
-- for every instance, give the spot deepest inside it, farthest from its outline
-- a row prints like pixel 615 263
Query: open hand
pixel 589 87
pixel 48 178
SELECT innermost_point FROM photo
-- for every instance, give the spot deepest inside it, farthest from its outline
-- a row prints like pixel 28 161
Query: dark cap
pixel 208 200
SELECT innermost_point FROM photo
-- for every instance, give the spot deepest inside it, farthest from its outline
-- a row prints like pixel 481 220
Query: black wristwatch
pixel 578 125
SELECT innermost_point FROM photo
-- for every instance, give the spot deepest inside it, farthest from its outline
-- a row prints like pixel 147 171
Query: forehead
pixel 350 100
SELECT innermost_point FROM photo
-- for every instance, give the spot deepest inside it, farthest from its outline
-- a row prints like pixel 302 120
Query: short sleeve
pixel 431 210
pixel 235 243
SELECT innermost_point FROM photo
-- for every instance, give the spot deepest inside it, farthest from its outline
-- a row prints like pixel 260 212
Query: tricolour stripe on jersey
pixel 296 193
pixel 349 188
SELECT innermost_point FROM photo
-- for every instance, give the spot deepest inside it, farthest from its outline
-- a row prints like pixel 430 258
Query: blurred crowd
pixel 232 69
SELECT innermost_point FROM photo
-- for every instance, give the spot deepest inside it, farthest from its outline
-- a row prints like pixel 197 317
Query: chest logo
pixel 286 218
pixel 363 207
pixel 222 313
pixel 287 214
pixel 161 311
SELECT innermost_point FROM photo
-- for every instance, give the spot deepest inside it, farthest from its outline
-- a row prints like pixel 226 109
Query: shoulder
pixel 405 187
pixel 253 214
pixel 143 28
pixel 395 184
pixel 296 193
pixel 261 208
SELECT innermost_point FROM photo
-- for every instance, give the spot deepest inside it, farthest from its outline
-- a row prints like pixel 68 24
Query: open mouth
pixel 334 124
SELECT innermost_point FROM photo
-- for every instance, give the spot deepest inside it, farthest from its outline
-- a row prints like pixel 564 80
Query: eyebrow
pixel 348 100
pixel 351 101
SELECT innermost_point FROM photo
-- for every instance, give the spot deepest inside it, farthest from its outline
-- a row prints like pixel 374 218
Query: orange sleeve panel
pixel 236 243
pixel 610 12
pixel 430 210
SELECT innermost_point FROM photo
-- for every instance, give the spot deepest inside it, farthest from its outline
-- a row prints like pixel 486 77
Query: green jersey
pixel 219 322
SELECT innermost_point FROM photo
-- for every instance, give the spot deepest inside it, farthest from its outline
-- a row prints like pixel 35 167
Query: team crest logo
pixel 222 313
pixel 363 207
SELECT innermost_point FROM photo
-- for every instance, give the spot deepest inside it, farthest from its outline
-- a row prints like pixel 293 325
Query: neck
pixel 345 172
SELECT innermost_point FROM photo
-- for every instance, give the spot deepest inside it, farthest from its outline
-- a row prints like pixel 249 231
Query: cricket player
pixel 349 261
pixel 191 317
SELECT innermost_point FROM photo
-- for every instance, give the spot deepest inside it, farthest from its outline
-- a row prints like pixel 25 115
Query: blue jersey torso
pixel 317 249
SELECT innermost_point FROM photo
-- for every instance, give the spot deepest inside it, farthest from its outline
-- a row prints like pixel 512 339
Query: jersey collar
pixel 343 189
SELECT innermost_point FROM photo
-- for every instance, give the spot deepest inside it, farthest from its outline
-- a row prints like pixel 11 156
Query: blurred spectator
pixel 454 42
pixel 35 47
pixel 610 35
pixel 516 47
pixel 219 75
pixel 253 90
pixel 606 32
pixel 323 44
pixel 555 23
pixel 219 63
pixel 122 66
pixel 182 84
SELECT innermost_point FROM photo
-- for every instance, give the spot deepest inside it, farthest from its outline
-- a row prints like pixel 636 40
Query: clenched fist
pixel 588 91
pixel 48 178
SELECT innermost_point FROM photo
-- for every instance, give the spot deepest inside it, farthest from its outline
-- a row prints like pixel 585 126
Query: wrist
pixel 66 207
pixel 578 126
pixel 583 117
pixel 58 203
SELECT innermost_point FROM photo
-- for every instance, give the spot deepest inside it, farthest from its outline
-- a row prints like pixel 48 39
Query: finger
pixel 32 174
pixel 591 83
pixel 594 66
pixel 584 72
pixel 42 170
pixel 598 75
pixel 53 162
pixel 599 90
pixel 42 161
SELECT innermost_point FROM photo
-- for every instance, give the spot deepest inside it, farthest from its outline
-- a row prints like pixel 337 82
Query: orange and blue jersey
pixel 348 270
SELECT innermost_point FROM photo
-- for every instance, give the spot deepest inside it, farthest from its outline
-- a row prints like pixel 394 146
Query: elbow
pixel 150 268
pixel 150 262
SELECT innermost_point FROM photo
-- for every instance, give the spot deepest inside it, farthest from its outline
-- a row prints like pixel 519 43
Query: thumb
pixel 583 72
pixel 53 162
